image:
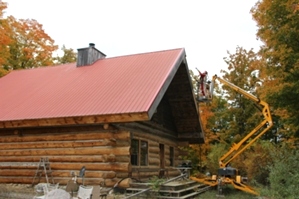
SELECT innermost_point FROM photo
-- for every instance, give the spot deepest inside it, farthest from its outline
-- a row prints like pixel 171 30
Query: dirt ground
pixel 16 191
pixel 24 191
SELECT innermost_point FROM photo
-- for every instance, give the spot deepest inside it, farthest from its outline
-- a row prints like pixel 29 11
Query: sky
pixel 207 30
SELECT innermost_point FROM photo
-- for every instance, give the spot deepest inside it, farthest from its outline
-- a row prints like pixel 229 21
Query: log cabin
pixel 119 117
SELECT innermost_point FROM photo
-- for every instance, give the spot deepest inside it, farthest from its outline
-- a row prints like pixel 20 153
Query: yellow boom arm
pixel 255 134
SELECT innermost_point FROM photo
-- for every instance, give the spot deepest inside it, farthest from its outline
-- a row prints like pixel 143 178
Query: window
pixel 171 156
pixel 143 153
pixel 139 152
pixel 134 152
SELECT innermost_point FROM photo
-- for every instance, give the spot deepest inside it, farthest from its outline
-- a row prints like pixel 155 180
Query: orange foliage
pixel 205 113
pixel 4 38
pixel 31 46
pixel 23 43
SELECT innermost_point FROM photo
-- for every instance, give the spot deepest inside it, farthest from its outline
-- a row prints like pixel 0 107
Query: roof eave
pixel 78 120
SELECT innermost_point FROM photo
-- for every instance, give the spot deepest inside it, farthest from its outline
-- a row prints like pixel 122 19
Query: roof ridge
pixel 151 52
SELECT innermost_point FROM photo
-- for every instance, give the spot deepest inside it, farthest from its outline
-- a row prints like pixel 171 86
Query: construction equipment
pixel 227 174
pixel 43 168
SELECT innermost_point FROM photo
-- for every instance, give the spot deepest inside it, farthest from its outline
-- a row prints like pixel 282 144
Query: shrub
pixel 284 174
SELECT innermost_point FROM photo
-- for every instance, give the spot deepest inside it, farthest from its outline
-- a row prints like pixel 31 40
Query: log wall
pixel 103 152
pixel 153 167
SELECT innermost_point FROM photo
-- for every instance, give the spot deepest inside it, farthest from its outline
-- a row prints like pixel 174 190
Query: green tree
pixel 278 28
pixel 258 160
pixel 69 56
pixel 242 114
pixel 284 175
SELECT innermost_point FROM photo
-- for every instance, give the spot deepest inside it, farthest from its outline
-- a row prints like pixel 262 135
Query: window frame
pixel 139 155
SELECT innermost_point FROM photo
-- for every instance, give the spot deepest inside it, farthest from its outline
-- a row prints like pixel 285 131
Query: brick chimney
pixel 89 55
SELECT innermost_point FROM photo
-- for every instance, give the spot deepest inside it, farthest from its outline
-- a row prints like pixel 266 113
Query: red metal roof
pixel 125 84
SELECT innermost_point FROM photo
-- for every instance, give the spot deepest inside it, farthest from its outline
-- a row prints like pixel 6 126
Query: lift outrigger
pixel 227 174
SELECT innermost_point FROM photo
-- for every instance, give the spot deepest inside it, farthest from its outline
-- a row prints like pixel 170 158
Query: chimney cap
pixel 91 45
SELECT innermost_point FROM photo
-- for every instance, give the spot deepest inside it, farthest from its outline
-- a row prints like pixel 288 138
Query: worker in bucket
pixel 202 81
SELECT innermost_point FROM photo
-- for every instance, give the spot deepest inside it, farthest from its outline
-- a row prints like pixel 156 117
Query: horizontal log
pixel 60 173
pixel 148 136
pixel 67 151
pixel 65 137
pixel 154 161
pixel 72 166
pixel 57 144
pixel 16 180
pixel 155 150
pixel 147 174
pixel 23 172
pixel 122 175
pixel 122 142
pixel 92 166
pixel 154 155
pixel 88 174
pixel 74 158
pixel 123 158
pixel 58 130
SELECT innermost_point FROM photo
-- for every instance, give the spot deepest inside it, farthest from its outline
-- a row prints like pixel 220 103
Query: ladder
pixel 43 167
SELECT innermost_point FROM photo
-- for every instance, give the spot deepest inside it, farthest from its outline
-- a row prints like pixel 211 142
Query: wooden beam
pixel 97 119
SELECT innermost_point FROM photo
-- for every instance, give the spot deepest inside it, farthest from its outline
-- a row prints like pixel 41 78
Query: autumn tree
pixel 212 149
pixel 237 116
pixel 278 28
pixel 4 39
pixel 30 46
pixel 24 43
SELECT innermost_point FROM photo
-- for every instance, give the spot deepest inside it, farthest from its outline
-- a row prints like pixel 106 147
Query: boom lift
pixel 227 174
